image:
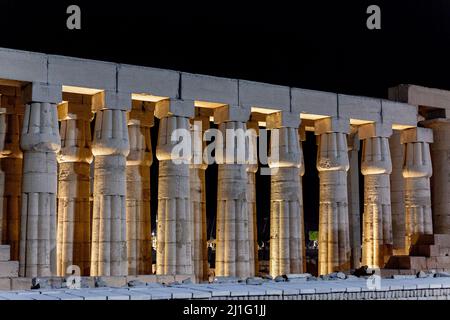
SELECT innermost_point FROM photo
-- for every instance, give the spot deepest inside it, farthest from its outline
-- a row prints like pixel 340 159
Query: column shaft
pixel 232 242
pixel 197 171
pixel 110 148
pixel 440 181
pixel 417 170
pixel 397 194
pixel 40 141
pixel 139 160
pixel 252 168
pixel 10 176
pixel 174 233
pixel 353 200
pixel 286 234
pixel 334 238
pixel 377 221
pixel 73 241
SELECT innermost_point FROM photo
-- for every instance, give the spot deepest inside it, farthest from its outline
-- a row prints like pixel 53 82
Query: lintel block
pixel 172 107
pixel 283 119
pixel 231 113
pixel 417 135
pixel 331 124
pixel 376 129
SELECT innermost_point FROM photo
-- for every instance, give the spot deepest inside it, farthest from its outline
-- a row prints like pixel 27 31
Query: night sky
pixel 320 45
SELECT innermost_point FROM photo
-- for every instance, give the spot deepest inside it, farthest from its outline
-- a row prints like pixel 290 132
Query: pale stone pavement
pixel 349 289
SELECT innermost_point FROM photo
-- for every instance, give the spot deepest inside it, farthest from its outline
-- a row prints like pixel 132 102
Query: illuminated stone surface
pixel 40 141
pixel 197 170
pixel 417 170
pixel 232 242
pixel 11 155
pixel 139 160
pixel 110 147
pixel 174 231
pixel 286 210
pixel 376 166
pixel 49 220
pixel 332 164
pixel 74 225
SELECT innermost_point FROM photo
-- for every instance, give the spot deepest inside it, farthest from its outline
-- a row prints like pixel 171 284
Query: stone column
pixel 397 194
pixel 232 243
pixel 40 141
pixel 440 181
pixel 286 209
pixel 139 160
pixel 252 168
pixel 353 198
pixel 110 147
pixel 333 164
pixel 11 118
pixel 174 231
pixel 197 169
pixel 376 166
pixel 74 225
pixel 417 170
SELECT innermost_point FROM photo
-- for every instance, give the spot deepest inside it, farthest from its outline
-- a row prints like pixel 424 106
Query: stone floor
pixel 402 287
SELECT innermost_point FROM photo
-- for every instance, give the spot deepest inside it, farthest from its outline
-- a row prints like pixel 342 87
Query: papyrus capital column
pixel 376 166
pixel 286 209
pixel 139 160
pixel 354 214
pixel 252 168
pixel 397 194
pixel 110 147
pixel 440 180
pixel 40 141
pixel 174 231
pixel 11 118
pixel 232 243
pixel 74 158
pixel 197 168
pixel 417 170
pixel 332 164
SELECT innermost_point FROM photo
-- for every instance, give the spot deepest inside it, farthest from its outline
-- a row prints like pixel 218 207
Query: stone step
pixel 5 252
pixel 407 262
pixel 9 269
pixel 425 250
pixel 442 240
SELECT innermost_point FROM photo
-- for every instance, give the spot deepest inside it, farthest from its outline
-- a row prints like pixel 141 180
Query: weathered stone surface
pixel 286 214
pixel 197 191
pixel 74 158
pixel 376 166
pixel 10 173
pixel 252 168
pixel 440 181
pixel 174 234
pixel 232 243
pixel 332 164
pixel 139 160
pixel 5 284
pixel 110 147
pixel 40 141
pixel 209 89
pixel 353 198
pixel 417 170
pixel 157 82
pixel 254 94
pixel 397 193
